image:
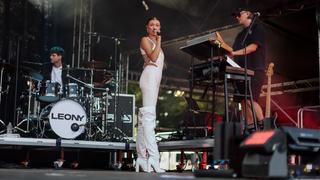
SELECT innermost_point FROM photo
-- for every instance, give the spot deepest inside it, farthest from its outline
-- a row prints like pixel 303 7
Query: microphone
pixel 158 32
pixel 256 14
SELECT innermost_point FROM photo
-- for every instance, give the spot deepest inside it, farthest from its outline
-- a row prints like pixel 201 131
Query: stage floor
pixel 48 174
pixel 52 174
pixel 163 146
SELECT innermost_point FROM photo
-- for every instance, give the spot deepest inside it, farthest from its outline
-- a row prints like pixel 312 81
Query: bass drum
pixel 66 118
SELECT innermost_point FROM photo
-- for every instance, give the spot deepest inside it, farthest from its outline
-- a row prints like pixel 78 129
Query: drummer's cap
pixel 236 13
pixel 58 50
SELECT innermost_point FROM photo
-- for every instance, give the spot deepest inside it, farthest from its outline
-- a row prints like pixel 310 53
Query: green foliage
pixel 171 110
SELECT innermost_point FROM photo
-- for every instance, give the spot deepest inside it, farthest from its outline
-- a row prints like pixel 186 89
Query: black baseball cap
pixel 57 50
pixel 236 13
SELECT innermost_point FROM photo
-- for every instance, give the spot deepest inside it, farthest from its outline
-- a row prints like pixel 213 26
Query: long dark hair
pixel 151 18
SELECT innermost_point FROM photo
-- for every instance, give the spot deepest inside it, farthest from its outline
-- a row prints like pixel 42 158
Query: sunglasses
pixel 238 14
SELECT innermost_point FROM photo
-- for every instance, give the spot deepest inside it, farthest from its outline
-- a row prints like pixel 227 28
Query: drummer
pixel 53 71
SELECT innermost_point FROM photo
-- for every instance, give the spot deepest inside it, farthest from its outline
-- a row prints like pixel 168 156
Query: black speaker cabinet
pixel 124 106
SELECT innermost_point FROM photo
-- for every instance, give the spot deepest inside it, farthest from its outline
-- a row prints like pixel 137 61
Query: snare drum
pixel 49 91
pixel 67 118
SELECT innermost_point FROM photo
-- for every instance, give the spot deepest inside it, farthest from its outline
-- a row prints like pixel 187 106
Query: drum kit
pixel 79 110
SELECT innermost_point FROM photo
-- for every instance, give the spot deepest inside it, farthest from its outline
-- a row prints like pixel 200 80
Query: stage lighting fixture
pixel 266 155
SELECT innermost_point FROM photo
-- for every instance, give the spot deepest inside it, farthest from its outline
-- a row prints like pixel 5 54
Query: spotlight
pixel 178 93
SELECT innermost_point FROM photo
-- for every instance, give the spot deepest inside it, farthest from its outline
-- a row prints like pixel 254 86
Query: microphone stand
pixel 244 44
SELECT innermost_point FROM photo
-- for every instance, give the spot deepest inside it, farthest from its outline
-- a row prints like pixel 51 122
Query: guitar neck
pixel 268 98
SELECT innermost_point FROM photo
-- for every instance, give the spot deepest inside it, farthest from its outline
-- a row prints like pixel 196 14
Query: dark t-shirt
pixel 256 60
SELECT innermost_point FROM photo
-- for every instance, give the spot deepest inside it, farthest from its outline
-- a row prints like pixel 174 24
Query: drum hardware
pixel 31 75
pixel 72 90
pixel 91 103
pixel 85 69
pixel 44 121
pixel 33 63
pixel 91 100
pixel 2 92
pixel 90 95
pixel 31 72
pixel 49 92
pixel 36 107
pixel 29 104
pixel 95 64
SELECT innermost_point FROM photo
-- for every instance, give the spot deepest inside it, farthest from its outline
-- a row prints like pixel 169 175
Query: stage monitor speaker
pixel 266 155
pixel 228 137
pixel 305 143
pixel 125 112
pixel 225 134
pixel 303 139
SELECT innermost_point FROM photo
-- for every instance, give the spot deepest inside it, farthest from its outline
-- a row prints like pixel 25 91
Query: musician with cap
pixel 254 49
pixel 53 71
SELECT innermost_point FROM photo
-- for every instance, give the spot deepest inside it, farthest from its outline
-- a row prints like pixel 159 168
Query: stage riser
pixel 44 158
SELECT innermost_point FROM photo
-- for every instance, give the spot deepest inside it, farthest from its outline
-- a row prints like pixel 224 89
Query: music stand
pixel 205 48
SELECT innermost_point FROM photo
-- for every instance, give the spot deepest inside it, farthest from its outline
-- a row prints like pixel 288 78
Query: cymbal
pixel 95 87
pixel 27 69
pixel 33 63
pixel 76 69
pixel 35 75
pixel 6 66
pixel 94 64
pixel 83 69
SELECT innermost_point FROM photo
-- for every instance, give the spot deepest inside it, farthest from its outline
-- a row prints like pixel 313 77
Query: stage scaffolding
pixel 82 32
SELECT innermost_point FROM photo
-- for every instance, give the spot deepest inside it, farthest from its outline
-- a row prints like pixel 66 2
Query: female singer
pixel 147 148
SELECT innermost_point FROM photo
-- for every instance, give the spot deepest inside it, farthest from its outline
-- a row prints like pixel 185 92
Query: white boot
pixel 148 123
pixel 141 162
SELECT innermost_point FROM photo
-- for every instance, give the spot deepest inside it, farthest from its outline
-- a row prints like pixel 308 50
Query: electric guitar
pixel 269 74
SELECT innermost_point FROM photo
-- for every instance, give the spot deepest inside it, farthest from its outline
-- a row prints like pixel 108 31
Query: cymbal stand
pixel 29 103
pixel 91 120
pixel 79 81
pixel 91 98
pixel 105 120
pixel 1 78
pixel 90 102
pixel 28 109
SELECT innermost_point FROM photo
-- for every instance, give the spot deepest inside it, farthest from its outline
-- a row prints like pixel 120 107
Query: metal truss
pixel 304 85
pixel 47 8
pixel 82 32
